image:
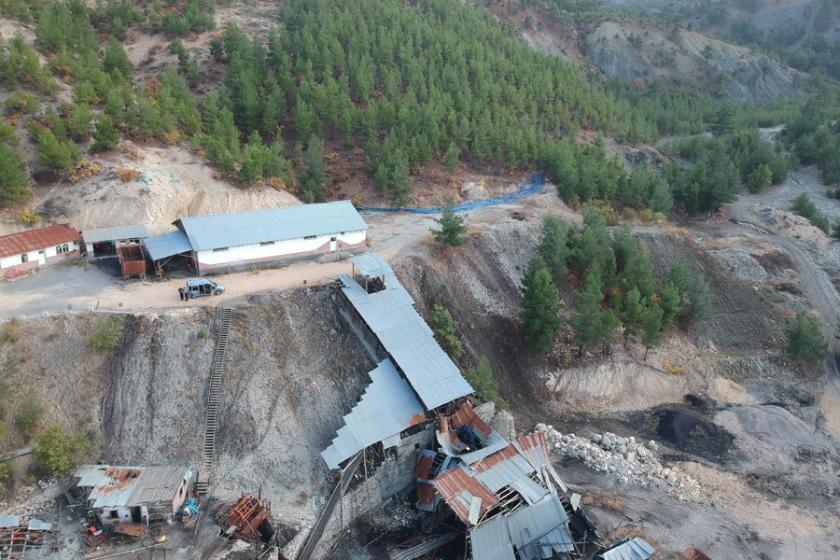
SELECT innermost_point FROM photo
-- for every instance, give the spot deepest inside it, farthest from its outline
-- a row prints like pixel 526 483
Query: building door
pixel 333 244
pixel 42 257
pixel 135 515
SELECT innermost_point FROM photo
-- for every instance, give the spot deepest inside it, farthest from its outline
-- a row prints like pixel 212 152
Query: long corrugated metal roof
pixel 167 245
pixel 409 341
pixel 631 549
pixel 216 231
pixel 115 486
pixel 540 530
pixel 387 407
pixel 490 540
pixel 136 231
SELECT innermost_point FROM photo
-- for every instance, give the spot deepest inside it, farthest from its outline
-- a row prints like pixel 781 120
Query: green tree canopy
pixel 553 247
pixel 444 329
pixel 805 340
pixel 452 228
pixel 540 307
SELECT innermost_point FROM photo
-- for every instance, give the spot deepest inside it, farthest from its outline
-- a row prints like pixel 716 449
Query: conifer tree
pixel 553 247
pixel 105 134
pixel 805 340
pixel 632 315
pixel 452 228
pixel 651 327
pixel 540 307
pixel 312 175
pixel 14 185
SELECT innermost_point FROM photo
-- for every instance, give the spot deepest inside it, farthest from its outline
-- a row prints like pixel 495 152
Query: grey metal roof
pixel 216 231
pixel 530 491
pixel 631 549
pixel 490 540
pixel 371 265
pixel 9 521
pixel 387 407
pixel 540 530
pixel 409 341
pixel 115 486
pixel 503 473
pixel 136 231
pixel 38 525
pixel 493 443
pixel 167 245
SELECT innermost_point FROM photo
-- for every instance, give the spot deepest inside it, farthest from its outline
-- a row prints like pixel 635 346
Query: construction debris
pixel 26 539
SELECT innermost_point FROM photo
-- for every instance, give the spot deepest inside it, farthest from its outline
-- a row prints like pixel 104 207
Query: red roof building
pixel 29 249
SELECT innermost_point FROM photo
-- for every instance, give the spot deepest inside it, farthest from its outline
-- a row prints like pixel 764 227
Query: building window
pixel 220 250
pixel 24 258
pixel 62 249
pixel 264 243
pixel 332 238
pixel 113 514
pixel 310 237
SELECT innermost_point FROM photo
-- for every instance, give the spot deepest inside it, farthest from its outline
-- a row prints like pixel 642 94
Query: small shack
pixel 138 495
pixel 132 260
pixel 27 250
pixel 105 242
pixel 167 247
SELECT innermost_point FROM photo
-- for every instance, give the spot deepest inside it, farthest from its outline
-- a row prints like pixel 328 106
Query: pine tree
pixel 540 307
pixel 553 247
pixel 632 315
pixel 311 176
pixel 116 62
pixel 444 328
pixel 671 303
pixel 651 327
pixel 452 228
pixel 451 158
pixel 805 340
pixel 254 156
pixel 638 273
pixel 591 322
pixel 105 134
pixel 760 178
pixel 14 184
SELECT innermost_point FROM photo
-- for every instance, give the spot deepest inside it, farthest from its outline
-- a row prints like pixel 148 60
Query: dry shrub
pixel 151 85
pixel 602 501
pixel 171 138
pixel 127 175
pixel 279 184
pixel 132 153
pixel 84 170
pixel 27 217
pixel 673 369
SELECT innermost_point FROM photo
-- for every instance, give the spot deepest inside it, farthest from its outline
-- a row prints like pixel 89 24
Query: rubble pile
pixel 624 458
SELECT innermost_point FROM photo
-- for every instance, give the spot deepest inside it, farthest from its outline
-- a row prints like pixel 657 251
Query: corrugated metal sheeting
pixel 371 265
pixel 217 231
pixel 539 530
pixel 457 487
pixel 631 549
pixel 490 541
pixel 129 486
pixel 409 341
pixel 536 532
pixel 387 407
pixel 167 245
pixel 136 231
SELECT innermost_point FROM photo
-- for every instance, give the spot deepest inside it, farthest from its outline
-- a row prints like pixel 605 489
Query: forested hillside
pixel 404 85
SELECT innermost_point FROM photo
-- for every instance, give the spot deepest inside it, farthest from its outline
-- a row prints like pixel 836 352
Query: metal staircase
pixel 214 399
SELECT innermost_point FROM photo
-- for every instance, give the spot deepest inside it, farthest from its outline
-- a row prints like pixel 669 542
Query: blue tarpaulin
pixel 531 188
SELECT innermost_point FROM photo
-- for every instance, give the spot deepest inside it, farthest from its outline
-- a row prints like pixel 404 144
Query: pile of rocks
pixel 626 459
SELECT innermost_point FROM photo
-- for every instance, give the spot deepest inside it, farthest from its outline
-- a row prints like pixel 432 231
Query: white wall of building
pixel 36 256
pixel 279 249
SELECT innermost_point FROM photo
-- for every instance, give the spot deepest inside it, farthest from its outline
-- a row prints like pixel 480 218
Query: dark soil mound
pixel 689 431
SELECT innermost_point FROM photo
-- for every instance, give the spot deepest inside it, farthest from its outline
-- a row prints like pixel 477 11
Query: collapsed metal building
pixel 416 417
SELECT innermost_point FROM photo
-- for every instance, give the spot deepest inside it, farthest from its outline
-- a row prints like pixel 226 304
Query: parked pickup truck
pixel 199 287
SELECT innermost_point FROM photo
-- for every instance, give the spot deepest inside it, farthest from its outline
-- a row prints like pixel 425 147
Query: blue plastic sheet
pixel 529 189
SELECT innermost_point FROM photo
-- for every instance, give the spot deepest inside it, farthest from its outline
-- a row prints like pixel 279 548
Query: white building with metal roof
pixel 222 242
